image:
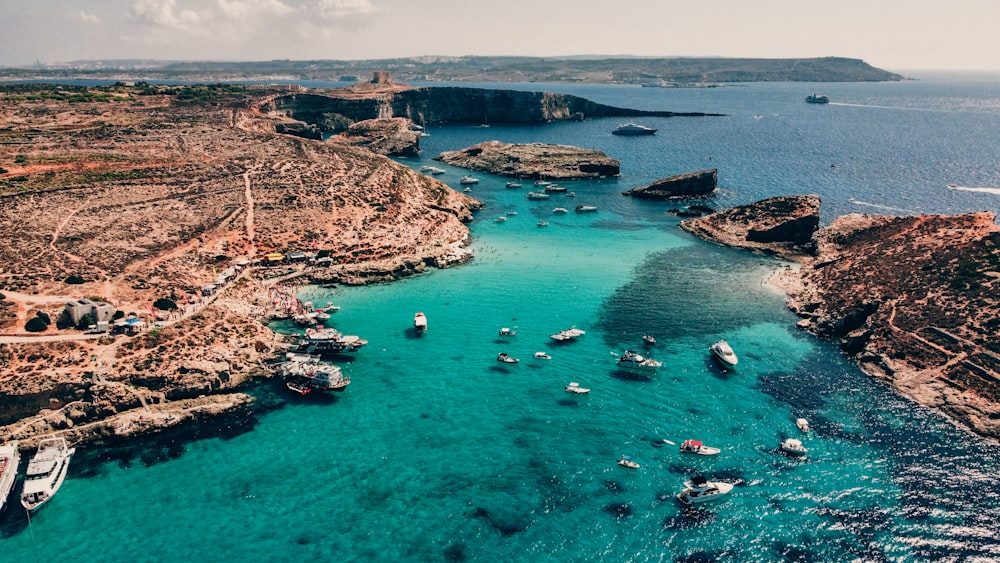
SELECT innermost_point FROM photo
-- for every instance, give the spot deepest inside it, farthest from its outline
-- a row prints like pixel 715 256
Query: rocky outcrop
pixel 779 225
pixel 333 110
pixel 912 299
pixel 533 161
pixel 692 184
pixel 391 137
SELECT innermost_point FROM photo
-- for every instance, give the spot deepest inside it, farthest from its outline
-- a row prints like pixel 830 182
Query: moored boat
pixel 542 356
pixel 507 358
pixel 46 472
pixel 803 424
pixel 554 188
pixel 313 376
pixel 571 333
pixel 537 195
pixel 793 446
pixel 700 489
pixel 432 170
pixel 626 461
pixel 574 387
pixel 632 361
pixel 506 331
pixel 469 180
pixel 420 322
pixel 633 129
pixel 649 339
pixel 723 353
pixel 696 447
pixel 586 208
pixel 513 185
pixel 10 458
pixel 560 210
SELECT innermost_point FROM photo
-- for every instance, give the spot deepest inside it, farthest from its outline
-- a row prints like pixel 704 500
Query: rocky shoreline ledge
pixel 533 161
pixel 912 299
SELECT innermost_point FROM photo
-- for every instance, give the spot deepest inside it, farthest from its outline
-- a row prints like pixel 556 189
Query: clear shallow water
pixel 439 452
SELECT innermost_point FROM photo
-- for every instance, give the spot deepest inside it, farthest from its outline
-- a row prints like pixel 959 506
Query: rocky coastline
pixel 691 184
pixel 911 299
pixel 533 161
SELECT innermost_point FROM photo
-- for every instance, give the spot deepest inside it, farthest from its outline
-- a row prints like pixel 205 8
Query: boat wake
pixel 883 207
pixel 968 189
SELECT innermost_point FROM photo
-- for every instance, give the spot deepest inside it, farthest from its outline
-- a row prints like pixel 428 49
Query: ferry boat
pixel 700 489
pixel 46 472
pixel 10 458
pixel 633 129
pixel 723 353
pixel 303 377
pixel 817 99
pixel 327 341
pixel 632 361
pixel 420 322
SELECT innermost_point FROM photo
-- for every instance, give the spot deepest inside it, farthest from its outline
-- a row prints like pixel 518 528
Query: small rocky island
pixel 533 161
pixel 692 184
pixel 912 299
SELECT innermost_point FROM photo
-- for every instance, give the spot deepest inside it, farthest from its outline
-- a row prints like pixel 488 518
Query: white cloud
pixel 245 21
pixel 87 17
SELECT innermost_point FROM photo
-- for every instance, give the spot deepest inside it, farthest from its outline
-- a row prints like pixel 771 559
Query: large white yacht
pixel 10 458
pixel 700 489
pixel 632 361
pixel 723 353
pixel 46 472
pixel 571 333
pixel 633 129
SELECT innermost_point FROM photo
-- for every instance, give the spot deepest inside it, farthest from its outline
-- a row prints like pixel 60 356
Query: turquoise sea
pixel 437 452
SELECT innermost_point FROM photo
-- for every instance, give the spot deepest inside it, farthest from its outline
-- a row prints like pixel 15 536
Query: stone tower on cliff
pixel 382 77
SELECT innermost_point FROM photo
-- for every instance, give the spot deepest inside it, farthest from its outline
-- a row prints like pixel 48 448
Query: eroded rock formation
pixel 780 225
pixel 692 184
pixel 533 161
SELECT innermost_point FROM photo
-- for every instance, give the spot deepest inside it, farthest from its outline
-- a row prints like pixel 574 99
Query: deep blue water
pixel 437 452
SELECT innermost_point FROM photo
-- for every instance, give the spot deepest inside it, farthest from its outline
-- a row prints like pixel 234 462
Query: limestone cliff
pixel 391 137
pixel 333 110
pixel 779 225
pixel 691 184
pixel 533 161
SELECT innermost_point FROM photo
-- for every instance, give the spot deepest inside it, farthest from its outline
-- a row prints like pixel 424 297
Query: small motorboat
pixel 432 170
pixel 542 224
pixel 803 424
pixel 500 219
pixel 574 387
pixel 696 447
pixel 468 180
pixel 420 322
pixel 569 334
pixel 560 210
pixel 649 339
pixel 542 183
pixel 299 388
pixel 507 358
pixel 723 353
pixel 554 188
pixel 544 356
pixel 586 208
pixel 507 332
pixel 793 446
pixel 467 190
pixel 632 361
pixel 626 461
pixel 513 185
pixel 511 213
pixel 537 195
pixel 700 489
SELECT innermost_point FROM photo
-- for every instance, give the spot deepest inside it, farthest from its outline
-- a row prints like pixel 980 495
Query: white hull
pixel 10 458
pixel 724 354
pixel 695 493
pixel 46 473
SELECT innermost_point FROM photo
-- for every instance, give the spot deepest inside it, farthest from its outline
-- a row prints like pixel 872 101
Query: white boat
pixel 537 195
pixel 469 180
pixel 505 331
pixel 542 183
pixel 586 208
pixel 571 333
pixel 513 185
pixel 574 387
pixel 431 170
pixel 507 358
pixel 803 424
pixel 632 361
pixel 329 341
pixel 511 213
pixel 649 339
pixel 300 376
pixel 420 322
pixel 560 210
pixel 793 446
pixel 544 356
pixel 696 447
pixel 542 224
pixel 723 353
pixel 626 461
pixel 633 129
pixel 46 472
pixel 10 458
pixel 700 489
pixel 554 188
pixel 500 219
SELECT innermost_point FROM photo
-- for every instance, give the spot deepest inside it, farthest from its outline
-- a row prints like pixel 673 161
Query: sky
pixel 894 35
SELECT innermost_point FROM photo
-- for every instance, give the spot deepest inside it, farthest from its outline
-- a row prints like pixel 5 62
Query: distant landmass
pixel 666 71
